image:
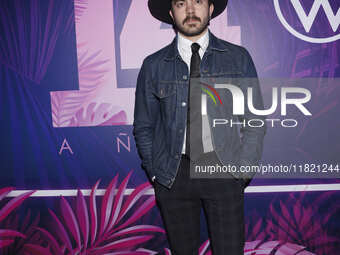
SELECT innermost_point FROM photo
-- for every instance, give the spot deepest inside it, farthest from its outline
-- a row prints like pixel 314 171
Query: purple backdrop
pixel 70 179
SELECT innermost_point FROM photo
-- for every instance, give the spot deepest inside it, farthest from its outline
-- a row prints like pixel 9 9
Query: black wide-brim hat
pixel 160 9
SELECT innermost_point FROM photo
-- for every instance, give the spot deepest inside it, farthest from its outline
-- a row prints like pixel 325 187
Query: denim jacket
pixel 160 111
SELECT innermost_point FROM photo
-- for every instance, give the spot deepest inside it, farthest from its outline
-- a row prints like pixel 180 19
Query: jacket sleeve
pixel 251 137
pixel 145 114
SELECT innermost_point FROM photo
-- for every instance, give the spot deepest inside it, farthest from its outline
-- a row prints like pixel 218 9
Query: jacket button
pixel 181 130
pixel 185 77
pixel 176 156
pixel 153 178
pixel 184 104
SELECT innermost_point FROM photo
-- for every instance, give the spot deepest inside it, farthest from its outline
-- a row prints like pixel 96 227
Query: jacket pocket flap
pixel 164 90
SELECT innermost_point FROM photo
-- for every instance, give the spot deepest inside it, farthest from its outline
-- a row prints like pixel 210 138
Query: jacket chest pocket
pixel 165 92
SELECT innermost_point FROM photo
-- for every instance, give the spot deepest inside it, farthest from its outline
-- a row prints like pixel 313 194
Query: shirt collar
pixel 214 44
pixel 184 44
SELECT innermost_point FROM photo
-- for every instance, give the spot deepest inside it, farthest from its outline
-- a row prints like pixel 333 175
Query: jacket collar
pixel 215 44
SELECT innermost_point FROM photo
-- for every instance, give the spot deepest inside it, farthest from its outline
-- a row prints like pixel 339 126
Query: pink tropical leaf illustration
pixel 204 248
pixel 7 236
pixel 24 23
pixel 255 228
pixel 52 241
pixel 80 7
pixel 110 230
pixel 37 250
pixel 26 228
pixel 302 224
pixel 104 115
pixel 62 231
pixel 92 72
pixel 259 247
pixel 83 217
pixel 13 203
pixel 71 221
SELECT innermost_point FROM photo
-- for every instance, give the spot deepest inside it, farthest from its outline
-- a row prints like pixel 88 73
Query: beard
pixel 193 29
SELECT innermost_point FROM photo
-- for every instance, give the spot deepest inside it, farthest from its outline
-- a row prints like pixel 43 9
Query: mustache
pixel 192 18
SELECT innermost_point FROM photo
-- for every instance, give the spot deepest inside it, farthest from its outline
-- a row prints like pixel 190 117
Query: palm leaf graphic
pixel 92 71
pixel 96 114
pixel 26 228
pixel 259 247
pixel 7 236
pixel 301 222
pixel 32 30
pixel 107 229
pixel 37 250
pixel 255 227
pixel 80 6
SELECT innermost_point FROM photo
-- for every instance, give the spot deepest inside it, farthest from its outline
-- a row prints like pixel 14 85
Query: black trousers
pixel 223 204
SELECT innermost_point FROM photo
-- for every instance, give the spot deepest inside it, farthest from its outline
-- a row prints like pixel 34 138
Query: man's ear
pixel 170 12
pixel 211 9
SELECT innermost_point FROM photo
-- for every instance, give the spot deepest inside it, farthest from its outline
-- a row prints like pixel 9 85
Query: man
pixel 173 132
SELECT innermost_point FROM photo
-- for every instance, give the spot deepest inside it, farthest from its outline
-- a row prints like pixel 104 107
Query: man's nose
pixel 190 7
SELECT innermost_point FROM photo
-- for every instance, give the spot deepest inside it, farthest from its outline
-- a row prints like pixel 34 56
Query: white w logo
pixel 308 20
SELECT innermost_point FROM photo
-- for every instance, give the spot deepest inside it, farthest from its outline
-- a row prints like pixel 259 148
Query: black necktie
pixel 194 145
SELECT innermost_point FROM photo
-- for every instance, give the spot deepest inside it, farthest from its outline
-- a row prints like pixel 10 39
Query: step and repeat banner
pixel 71 180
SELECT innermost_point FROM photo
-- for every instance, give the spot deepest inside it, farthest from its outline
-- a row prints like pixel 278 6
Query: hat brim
pixel 159 9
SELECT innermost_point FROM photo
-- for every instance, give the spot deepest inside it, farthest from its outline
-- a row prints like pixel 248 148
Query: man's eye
pixel 198 1
pixel 179 4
